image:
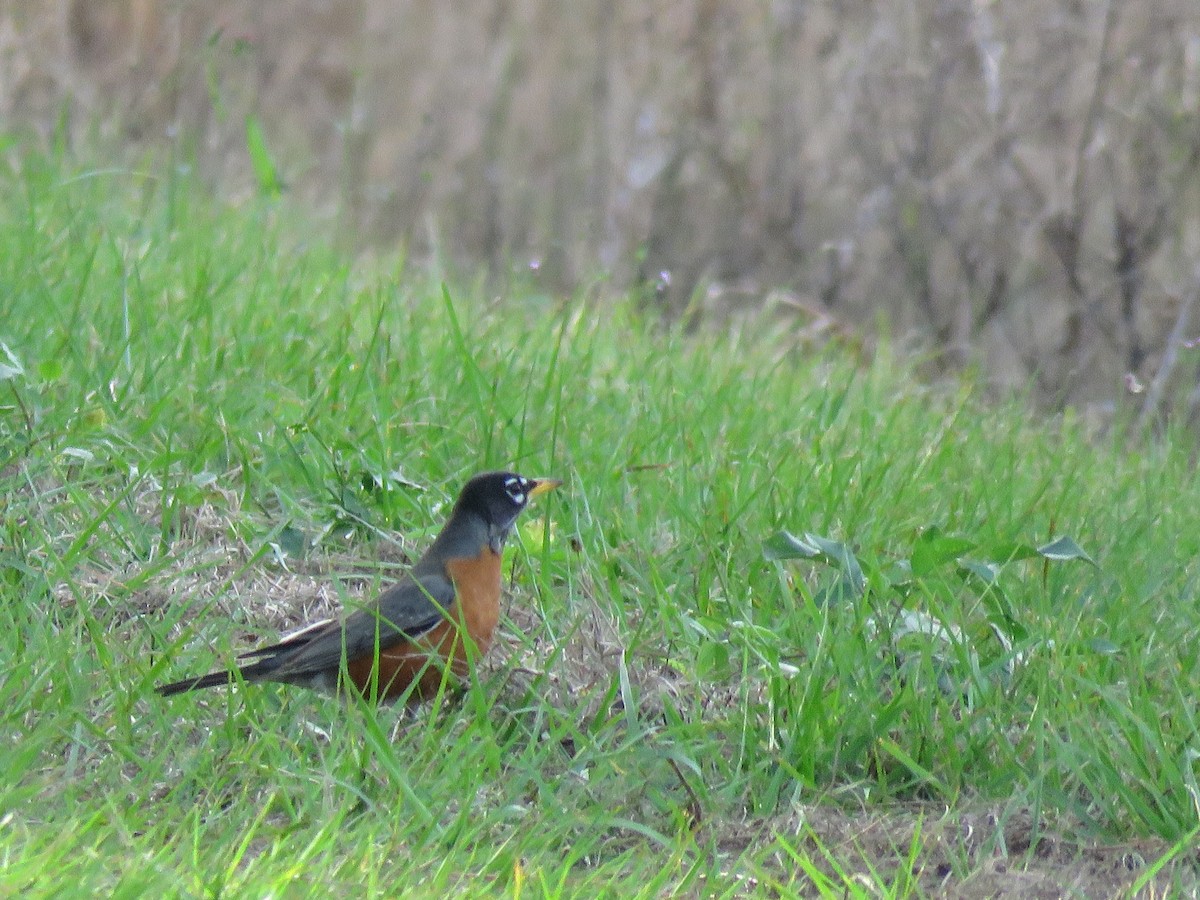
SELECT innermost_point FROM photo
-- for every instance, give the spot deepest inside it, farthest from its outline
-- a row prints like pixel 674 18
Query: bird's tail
pixel 212 679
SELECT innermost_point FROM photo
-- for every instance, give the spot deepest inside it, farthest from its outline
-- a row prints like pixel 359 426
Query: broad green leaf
pixel 1009 551
pixel 1062 549
pixel 352 506
pixel 934 549
pixel 291 541
pixel 842 589
pixel 841 555
pixel 785 545
pixel 710 628
pixel 987 572
pixel 1103 646
pixel 712 661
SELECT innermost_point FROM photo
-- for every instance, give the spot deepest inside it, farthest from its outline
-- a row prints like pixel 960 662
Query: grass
pixel 213 428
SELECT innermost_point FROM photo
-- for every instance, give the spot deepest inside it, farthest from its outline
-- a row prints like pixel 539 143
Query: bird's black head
pixel 499 497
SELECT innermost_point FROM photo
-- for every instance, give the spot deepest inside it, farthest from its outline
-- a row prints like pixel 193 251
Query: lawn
pixel 797 623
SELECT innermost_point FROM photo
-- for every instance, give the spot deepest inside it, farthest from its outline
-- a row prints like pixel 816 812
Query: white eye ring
pixel 515 487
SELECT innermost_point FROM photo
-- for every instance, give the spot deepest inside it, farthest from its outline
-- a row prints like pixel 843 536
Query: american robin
pixel 414 629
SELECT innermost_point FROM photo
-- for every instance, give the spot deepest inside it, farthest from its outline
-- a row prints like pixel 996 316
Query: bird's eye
pixel 516 490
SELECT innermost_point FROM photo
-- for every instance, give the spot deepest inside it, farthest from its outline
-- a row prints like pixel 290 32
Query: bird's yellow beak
pixel 544 486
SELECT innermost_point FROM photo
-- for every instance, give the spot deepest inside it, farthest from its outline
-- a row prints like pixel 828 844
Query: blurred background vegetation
pixel 1013 187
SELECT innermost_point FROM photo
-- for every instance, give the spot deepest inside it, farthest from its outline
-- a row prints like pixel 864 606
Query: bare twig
pixel 695 810
pixel 1086 134
pixel 1171 355
pixel 1065 230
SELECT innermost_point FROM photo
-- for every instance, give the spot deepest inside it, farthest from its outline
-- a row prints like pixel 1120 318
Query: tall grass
pixel 212 427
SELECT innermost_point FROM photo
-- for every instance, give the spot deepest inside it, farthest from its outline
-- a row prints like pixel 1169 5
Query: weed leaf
pixel 1063 549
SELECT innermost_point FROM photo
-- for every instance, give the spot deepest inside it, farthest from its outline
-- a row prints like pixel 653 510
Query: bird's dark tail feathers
pixel 213 679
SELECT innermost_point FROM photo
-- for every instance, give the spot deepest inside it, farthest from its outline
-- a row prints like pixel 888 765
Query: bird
pixel 405 642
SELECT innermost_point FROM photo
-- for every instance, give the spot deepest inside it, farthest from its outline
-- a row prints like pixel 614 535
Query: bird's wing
pixel 404 611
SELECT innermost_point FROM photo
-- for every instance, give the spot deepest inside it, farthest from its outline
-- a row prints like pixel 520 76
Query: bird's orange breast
pixel 476 609
pixel 477 589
